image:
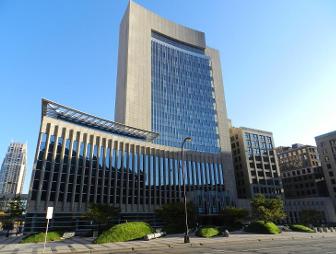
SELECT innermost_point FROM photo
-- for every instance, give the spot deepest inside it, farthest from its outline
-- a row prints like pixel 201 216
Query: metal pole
pixel 45 237
pixel 186 235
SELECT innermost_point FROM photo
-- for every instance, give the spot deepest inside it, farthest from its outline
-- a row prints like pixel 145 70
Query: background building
pixel 301 172
pixel 295 207
pixel 304 183
pixel 13 169
pixel 326 146
pixel 255 164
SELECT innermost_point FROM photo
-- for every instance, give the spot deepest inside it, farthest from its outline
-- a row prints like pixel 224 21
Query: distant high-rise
pixel 170 82
pixel 13 169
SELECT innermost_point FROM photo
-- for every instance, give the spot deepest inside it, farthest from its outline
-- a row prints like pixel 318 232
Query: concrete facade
pixel 133 99
pixel 326 146
pixel 13 169
pixel 294 207
pixel 80 161
pixel 301 171
pixel 255 163
pixel 133 95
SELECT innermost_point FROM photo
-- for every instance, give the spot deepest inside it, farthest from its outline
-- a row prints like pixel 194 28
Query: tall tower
pixel 13 169
pixel 170 82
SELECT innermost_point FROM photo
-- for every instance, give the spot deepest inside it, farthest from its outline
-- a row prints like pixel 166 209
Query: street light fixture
pixel 186 235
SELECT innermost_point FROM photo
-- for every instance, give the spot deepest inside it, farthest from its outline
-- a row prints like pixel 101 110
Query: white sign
pixel 50 212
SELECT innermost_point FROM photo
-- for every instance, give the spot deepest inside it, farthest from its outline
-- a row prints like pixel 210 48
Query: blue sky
pixel 278 61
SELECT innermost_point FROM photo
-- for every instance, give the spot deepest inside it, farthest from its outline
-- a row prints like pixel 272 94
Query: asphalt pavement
pixel 287 242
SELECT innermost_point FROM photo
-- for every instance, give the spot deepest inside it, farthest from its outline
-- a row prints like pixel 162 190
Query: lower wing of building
pixel 82 159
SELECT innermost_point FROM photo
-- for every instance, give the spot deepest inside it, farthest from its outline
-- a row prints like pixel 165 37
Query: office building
pixel 295 207
pixel 169 81
pixel 169 86
pixel 255 164
pixel 13 169
pixel 326 146
pixel 304 183
pixel 301 172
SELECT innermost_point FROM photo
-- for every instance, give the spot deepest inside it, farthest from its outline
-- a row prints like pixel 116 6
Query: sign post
pixel 50 211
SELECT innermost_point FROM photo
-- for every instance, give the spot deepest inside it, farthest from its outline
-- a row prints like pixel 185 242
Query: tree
pixel 234 216
pixel 310 217
pixel 16 208
pixel 267 209
pixel 173 216
pixel 13 214
pixel 101 214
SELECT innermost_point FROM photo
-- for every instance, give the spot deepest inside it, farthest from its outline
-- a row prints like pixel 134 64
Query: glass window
pixel 212 173
pixel 146 169
pixel 101 157
pixel 172 172
pixel 130 162
pixel 162 178
pixel 107 159
pixel 88 152
pixel 177 90
pixel 199 174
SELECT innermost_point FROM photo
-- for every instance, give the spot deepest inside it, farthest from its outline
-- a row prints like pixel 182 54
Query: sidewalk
pixel 84 245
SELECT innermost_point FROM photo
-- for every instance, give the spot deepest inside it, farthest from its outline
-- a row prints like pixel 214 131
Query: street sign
pixel 50 212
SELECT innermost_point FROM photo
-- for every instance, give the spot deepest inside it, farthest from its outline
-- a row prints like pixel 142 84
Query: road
pixel 285 243
pixel 306 246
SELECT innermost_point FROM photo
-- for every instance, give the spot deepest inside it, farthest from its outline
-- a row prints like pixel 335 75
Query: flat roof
pixel 332 133
pixel 58 111
pixel 254 130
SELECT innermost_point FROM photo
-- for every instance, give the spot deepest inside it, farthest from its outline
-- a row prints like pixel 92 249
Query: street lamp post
pixel 186 235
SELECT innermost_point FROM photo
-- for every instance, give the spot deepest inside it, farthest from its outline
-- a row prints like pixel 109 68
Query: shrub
pixel 267 209
pixel 125 232
pixel 301 228
pixel 208 232
pixel 261 227
pixel 39 237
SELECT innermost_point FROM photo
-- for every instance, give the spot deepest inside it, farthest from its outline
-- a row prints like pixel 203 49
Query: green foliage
pixel 267 209
pixel 301 228
pixel 39 237
pixel 260 227
pixel 125 232
pixel 13 214
pixel 16 208
pixel 208 232
pixel 173 216
pixel 310 217
pixel 234 216
pixel 101 214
